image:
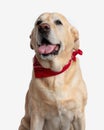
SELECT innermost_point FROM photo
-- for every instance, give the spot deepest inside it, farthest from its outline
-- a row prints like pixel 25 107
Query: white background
pixel 16 22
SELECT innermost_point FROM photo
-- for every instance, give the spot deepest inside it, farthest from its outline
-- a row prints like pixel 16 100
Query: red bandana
pixel 41 72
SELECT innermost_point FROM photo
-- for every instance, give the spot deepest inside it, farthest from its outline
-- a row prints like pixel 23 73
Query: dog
pixel 57 94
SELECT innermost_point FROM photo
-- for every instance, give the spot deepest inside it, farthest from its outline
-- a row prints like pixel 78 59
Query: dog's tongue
pixel 46 49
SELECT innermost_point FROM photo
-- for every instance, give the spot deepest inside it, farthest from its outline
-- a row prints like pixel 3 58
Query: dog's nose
pixel 44 28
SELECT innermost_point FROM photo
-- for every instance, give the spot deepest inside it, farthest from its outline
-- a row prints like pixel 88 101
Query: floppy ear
pixel 32 39
pixel 76 37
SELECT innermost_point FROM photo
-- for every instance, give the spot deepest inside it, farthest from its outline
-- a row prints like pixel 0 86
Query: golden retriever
pixel 57 101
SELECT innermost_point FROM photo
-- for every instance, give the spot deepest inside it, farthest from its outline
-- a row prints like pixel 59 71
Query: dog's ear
pixel 32 39
pixel 75 34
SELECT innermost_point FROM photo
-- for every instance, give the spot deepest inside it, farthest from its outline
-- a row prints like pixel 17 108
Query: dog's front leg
pixel 25 123
pixel 37 122
pixel 79 123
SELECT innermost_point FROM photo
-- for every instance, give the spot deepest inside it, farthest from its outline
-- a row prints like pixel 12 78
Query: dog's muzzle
pixel 46 47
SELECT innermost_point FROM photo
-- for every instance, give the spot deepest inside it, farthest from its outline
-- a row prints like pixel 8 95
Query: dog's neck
pixel 41 72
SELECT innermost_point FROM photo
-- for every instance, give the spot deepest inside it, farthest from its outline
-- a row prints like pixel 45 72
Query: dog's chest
pixel 56 93
pixel 59 88
pixel 60 120
pixel 60 117
pixel 53 89
pixel 56 104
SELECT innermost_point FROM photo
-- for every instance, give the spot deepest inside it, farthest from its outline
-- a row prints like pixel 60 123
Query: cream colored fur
pixel 58 102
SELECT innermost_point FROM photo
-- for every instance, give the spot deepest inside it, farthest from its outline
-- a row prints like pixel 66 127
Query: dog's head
pixel 53 38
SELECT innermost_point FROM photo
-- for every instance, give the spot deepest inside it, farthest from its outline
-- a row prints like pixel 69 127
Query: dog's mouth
pixel 47 48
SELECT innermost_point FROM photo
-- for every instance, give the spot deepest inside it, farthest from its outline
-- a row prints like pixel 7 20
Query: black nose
pixel 44 28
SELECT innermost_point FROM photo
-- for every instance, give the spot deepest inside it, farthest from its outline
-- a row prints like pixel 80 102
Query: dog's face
pixel 53 37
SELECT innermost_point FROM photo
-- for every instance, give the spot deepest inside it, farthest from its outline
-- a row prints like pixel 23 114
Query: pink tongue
pixel 46 49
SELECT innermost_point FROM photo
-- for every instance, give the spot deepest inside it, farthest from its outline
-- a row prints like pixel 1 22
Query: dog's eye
pixel 39 22
pixel 58 22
